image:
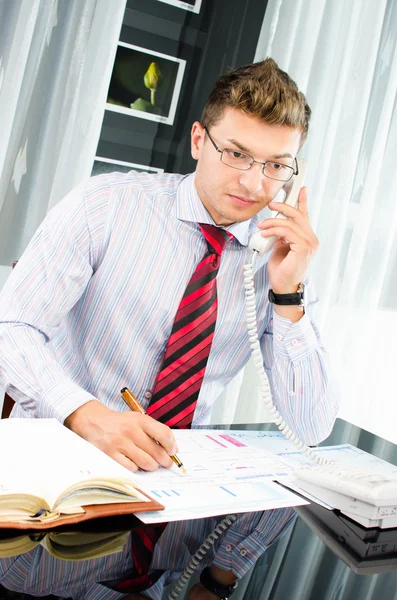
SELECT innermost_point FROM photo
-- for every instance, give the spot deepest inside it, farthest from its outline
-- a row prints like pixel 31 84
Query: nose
pixel 253 179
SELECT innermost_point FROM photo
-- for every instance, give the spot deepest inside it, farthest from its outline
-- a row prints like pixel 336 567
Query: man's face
pixel 230 195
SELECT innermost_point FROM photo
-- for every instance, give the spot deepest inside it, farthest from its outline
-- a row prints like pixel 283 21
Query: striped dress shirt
pixel 90 306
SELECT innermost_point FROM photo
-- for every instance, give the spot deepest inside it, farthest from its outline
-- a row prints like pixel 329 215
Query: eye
pixel 235 154
pixel 278 166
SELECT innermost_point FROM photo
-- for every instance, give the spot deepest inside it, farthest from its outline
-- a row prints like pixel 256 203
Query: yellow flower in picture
pixel 151 80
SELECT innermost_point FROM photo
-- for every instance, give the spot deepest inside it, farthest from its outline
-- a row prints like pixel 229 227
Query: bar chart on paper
pixel 225 474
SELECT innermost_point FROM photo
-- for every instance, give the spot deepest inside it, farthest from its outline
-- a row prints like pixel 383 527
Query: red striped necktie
pixel 179 380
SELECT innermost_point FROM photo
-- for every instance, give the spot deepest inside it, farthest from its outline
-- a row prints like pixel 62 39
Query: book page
pixel 84 545
pixel 46 458
pixel 17 545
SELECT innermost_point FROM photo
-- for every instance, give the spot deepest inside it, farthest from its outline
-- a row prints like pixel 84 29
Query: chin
pixel 227 214
pixel 226 219
pixel 238 216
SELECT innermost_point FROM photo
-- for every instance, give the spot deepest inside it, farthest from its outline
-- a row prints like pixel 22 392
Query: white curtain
pixel 56 58
pixel 343 55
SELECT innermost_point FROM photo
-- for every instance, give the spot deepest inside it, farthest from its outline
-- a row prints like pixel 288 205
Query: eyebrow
pixel 244 149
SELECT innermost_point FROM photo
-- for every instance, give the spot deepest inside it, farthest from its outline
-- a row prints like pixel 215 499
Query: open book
pixel 49 475
pixel 77 545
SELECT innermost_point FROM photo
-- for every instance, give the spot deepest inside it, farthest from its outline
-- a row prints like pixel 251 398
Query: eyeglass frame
pixel 295 171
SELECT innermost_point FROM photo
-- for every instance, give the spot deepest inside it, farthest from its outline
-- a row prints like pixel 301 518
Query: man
pixel 92 303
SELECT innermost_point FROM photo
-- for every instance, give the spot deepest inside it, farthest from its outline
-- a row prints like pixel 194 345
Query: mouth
pixel 240 201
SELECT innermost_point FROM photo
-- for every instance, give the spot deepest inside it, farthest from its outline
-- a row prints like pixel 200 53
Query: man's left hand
pixel 295 248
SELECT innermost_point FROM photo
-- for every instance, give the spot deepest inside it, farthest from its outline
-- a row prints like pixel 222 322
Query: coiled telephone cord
pixel 199 555
pixel 250 310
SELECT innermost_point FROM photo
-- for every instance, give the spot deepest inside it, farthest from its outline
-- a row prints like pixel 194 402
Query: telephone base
pixel 381 523
pixel 367 551
pixel 364 513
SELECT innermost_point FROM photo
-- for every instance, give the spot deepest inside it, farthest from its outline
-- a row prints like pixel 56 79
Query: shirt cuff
pixel 240 557
pixel 239 552
pixel 61 399
pixel 293 340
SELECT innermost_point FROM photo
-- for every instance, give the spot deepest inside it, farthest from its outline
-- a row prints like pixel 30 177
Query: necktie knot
pixel 216 237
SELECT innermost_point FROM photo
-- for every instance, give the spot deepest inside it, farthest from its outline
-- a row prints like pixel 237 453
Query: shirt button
pixel 291 393
pixel 148 395
pixel 243 552
pixel 279 337
pixel 294 342
pixel 228 548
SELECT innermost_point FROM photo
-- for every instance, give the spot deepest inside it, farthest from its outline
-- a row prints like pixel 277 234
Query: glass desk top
pixel 317 543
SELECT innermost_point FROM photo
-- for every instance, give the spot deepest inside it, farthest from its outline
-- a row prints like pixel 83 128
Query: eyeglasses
pixel 243 162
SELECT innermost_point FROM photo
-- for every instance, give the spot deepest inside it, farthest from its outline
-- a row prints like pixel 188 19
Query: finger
pixel 139 456
pixel 161 433
pixel 287 234
pixel 281 248
pixel 286 225
pixel 125 462
pixel 289 211
pixel 302 201
pixel 152 448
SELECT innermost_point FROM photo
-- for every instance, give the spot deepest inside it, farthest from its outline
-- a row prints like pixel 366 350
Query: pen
pixel 134 405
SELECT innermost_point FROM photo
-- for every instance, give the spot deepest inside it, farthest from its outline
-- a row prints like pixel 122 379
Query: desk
pixel 299 566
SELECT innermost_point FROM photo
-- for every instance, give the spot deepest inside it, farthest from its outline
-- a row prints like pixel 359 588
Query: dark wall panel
pixel 223 35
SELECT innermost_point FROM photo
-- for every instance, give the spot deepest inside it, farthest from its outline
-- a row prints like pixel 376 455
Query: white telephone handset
pixel 291 189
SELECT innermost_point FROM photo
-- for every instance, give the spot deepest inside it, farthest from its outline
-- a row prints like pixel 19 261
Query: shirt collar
pixel 188 207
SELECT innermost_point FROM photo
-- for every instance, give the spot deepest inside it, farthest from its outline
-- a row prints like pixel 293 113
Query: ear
pixel 197 139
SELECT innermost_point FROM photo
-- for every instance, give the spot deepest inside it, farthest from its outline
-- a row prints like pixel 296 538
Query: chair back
pixel 7 406
pixel 8 401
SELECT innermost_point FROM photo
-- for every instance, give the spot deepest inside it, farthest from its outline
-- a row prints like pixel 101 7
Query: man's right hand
pixel 127 437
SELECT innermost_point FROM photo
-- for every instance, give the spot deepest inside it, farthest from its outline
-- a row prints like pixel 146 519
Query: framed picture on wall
pixel 108 165
pixel 192 5
pixel 145 84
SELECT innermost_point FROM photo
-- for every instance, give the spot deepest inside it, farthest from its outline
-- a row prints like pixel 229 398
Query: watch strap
pixel 295 299
pixel 218 589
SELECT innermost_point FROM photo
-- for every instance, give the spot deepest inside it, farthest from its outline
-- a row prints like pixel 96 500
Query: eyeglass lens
pixel 273 170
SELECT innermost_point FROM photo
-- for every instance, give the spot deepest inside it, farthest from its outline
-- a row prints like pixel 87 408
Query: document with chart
pixel 228 472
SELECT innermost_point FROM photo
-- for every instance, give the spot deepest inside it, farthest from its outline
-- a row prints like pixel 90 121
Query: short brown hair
pixel 260 90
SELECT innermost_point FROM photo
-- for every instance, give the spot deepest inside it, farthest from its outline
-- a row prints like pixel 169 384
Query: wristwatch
pixel 218 589
pixel 295 299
